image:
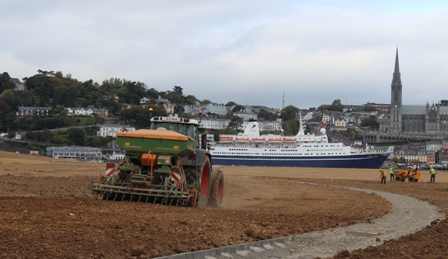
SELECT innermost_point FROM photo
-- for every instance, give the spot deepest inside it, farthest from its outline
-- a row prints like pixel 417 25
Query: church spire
pixel 396 80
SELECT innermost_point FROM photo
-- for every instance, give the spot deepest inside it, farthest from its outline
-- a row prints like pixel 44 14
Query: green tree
pixel 371 122
pixel 291 127
pixel 26 98
pixel 190 99
pixel 205 102
pixel 289 113
pixel 10 98
pixel 236 123
pixel 238 108
pixel 178 90
pixel 337 106
pixel 265 115
pixel 230 104
pixel 152 93
pixel 76 136
pixel 57 139
pixel 5 82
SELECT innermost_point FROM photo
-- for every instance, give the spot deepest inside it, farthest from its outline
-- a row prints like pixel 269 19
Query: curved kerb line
pixel 326 243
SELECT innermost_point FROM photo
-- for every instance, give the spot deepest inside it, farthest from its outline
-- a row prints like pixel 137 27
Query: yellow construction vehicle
pixel 409 174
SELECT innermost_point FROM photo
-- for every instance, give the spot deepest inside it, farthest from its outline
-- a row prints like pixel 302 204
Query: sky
pixel 267 52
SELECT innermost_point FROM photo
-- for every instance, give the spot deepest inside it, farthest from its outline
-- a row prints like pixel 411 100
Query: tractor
pixel 166 164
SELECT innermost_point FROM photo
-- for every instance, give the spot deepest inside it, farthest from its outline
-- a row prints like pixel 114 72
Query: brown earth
pixel 46 211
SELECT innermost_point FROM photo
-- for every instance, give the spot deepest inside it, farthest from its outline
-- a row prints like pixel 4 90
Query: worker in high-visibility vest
pixel 433 173
pixel 392 173
pixel 383 176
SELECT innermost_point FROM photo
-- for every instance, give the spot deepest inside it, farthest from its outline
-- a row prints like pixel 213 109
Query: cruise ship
pixel 302 150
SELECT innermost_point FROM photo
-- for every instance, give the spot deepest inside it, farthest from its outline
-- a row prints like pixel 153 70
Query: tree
pixel 324 107
pixel 291 127
pixel 10 98
pixel 11 134
pixel 76 136
pixel 205 102
pixel 238 108
pixel 265 115
pixel 5 82
pixel 178 90
pixel 289 113
pixel 371 122
pixel 337 105
pixel 230 104
pixel 190 99
pixel 26 98
pixel 236 122
pixel 444 103
pixel 152 93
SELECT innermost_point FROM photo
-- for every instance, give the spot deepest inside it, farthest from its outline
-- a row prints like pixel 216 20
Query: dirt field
pixel 46 212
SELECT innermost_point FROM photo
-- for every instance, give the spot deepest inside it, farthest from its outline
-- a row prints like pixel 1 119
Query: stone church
pixel 409 122
pixel 429 119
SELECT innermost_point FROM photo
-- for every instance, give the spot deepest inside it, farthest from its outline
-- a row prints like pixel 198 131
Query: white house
pixel 112 129
pixel 215 108
pixel 217 124
pixel 79 111
pixel 269 125
pixel 246 115
pixel 144 100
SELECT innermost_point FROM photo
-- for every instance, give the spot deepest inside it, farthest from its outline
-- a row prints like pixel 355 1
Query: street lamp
pixel 150 116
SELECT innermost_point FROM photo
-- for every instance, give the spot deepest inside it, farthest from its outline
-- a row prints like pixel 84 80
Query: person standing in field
pixel 383 176
pixel 392 173
pixel 433 173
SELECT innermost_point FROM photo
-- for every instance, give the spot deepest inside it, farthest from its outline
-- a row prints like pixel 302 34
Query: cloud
pixel 244 51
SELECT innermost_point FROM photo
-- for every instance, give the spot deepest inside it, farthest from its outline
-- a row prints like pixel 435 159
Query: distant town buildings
pixel 89 110
pixel 33 111
pixel 110 130
pixel 74 152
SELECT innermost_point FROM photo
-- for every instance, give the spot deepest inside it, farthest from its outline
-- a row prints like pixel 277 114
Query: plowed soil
pixel 46 211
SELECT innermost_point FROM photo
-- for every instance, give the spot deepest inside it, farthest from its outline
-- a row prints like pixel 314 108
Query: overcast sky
pixel 250 52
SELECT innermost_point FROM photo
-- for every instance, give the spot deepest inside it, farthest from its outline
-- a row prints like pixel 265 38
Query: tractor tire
pixel 217 190
pixel 204 182
pixel 190 174
pixel 411 179
pixel 398 178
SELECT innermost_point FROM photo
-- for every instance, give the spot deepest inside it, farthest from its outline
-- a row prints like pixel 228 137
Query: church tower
pixel 395 101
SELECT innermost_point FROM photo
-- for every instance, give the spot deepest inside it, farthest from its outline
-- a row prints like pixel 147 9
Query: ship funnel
pixel 252 129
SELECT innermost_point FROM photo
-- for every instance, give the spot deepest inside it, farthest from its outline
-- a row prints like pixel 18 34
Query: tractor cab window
pixel 191 131
pixel 184 129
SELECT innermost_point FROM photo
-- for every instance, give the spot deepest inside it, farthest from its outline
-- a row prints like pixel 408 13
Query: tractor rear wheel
pixel 411 179
pixel 217 190
pixel 204 182
pixel 398 178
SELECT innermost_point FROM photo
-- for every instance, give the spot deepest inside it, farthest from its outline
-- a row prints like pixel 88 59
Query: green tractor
pixel 166 164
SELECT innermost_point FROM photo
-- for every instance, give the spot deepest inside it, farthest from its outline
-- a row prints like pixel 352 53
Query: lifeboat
pixel 225 139
pixel 241 139
pixel 258 139
pixel 289 140
pixel 276 140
